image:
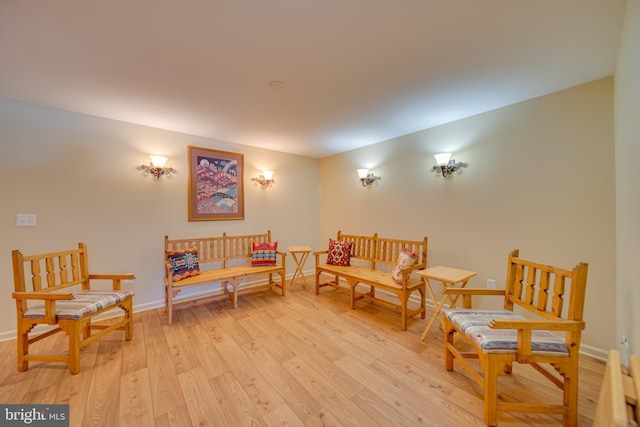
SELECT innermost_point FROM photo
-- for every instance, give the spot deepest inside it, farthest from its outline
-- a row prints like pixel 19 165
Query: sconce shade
pixel 442 158
pixel 362 173
pixel 156 168
pixel 366 177
pixel 445 165
pixel 268 175
pixel 158 161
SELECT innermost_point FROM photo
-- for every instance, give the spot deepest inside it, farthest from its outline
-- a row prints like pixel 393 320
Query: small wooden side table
pixel 449 277
pixel 303 252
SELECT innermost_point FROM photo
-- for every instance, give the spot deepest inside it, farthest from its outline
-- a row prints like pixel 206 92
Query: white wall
pixel 79 174
pixel 540 178
pixel 627 129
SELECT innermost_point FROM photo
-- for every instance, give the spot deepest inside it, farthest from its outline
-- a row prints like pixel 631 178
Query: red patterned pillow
pixel 184 263
pixel 264 253
pixel 339 252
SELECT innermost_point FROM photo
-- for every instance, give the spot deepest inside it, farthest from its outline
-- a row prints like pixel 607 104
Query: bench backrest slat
pixel 219 249
pixel 380 250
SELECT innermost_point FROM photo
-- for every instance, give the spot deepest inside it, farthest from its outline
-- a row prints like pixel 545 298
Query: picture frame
pixel 216 185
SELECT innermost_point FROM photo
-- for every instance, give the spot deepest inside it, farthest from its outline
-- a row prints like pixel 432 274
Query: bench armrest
pixel 467 293
pixel 49 299
pixel 41 295
pixel 317 254
pixel 115 278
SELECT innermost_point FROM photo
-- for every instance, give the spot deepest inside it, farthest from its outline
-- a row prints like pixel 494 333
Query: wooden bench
pixel 225 261
pixel 534 327
pixel 54 289
pixel 371 261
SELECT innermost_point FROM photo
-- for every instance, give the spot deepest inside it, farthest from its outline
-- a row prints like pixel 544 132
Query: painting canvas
pixel 216 190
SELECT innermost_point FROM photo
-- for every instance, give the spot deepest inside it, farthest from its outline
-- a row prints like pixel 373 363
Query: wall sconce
pixel 265 179
pixel 156 168
pixel 366 177
pixel 445 164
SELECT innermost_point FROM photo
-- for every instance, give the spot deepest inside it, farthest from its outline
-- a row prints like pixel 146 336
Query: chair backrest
pixel 543 288
pixel 51 271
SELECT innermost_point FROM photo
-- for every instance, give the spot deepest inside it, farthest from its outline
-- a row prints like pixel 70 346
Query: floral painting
pixel 215 185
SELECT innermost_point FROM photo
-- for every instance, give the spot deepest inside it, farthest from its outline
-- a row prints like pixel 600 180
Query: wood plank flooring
pixel 299 360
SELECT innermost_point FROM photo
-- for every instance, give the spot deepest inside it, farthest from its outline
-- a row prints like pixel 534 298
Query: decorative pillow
pixel 406 258
pixel 264 253
pixel 339 253
pixel 184 263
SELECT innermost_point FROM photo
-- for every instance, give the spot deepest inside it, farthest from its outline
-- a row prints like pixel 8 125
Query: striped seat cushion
pixel 474 324
pixel 83 304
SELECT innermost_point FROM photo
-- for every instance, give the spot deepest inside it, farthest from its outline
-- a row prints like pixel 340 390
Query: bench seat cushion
pixel 84 304
pixel 474 324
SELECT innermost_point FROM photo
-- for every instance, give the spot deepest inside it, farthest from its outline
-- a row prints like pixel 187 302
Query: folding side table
pixel 303 252
pixel 449 277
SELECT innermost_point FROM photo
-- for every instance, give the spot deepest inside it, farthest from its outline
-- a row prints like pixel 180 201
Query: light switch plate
pixel 26 220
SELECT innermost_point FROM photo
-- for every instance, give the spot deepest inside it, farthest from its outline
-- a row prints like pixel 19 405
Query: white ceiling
pixel 356 72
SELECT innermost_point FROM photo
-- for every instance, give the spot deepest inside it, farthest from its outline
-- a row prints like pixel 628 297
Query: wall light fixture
pixel 367 178
pixel 265 179
pixel 445 164
pixel 157 168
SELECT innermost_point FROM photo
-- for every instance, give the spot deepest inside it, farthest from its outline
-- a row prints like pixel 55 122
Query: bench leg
pixel 127 306
pixel 404 298
pixel 23 344
pixel 73 329
pixel 448 340
pixel 352 293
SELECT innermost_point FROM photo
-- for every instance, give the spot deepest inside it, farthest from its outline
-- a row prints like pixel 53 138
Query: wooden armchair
pixel 54 289
pixel 546 334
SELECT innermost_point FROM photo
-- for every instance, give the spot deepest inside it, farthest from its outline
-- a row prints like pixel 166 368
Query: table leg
pixel 299 265
pixel 435 304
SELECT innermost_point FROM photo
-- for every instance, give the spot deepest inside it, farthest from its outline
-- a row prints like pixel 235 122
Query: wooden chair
pixel 39 280
pixel 530 336
pixel 618 401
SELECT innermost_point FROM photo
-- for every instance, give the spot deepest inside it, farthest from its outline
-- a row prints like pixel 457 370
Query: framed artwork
pixel 216 188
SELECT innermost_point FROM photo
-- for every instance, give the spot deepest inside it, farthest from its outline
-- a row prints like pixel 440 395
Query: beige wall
pixel 627 129
pixel 80 175
pixel 539 178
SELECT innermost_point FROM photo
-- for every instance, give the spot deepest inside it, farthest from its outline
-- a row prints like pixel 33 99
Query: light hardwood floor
pixel 299 360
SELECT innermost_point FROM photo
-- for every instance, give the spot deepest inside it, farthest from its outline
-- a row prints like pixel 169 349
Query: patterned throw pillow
pixel 264 253
pixel 339 253
pixel 184 263
pixel 406 258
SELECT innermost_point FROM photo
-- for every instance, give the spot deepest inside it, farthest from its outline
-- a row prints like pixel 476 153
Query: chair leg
pixel 73 329
pixel 128 314
pixel 448 340
pixel 570 397
pixel 492 368
pixel 23 348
